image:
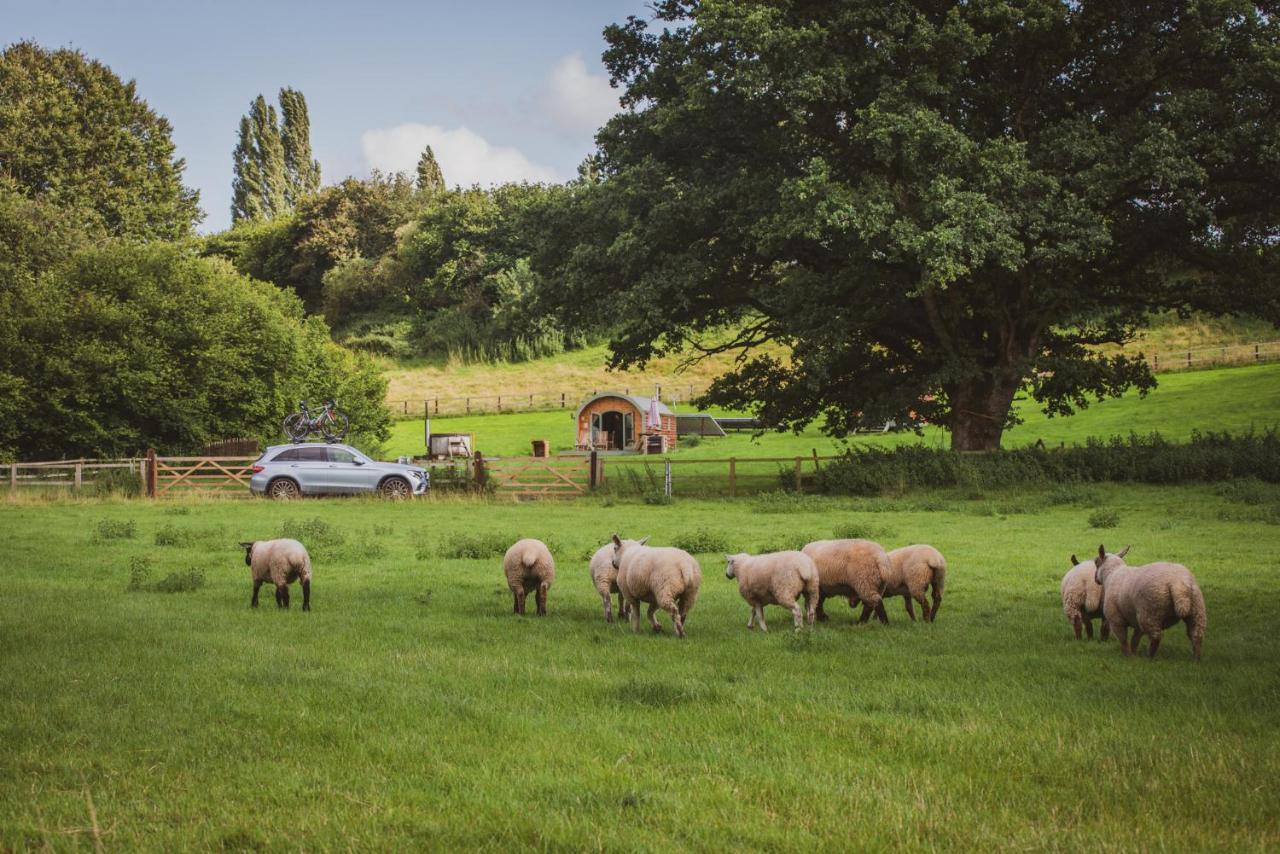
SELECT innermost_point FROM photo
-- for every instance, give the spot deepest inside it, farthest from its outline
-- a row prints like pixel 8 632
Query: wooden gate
pixel 538 477
pixel 178 474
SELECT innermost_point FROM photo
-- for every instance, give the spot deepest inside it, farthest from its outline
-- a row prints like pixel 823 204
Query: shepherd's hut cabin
pixel 612 421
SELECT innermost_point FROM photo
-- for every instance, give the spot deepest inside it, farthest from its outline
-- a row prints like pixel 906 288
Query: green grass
pixel 410 709
pixel 1232 399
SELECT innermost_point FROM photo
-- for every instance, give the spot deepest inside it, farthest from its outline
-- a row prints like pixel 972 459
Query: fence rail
pixel 1202 357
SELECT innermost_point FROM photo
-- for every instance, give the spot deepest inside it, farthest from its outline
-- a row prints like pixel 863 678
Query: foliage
pixel 115 529
pixel 1104 517
pixel 926 204
pixel 302 173
pixel 131 346
pixel 475 545
pixel 75 135
pixel 1208 457
pixel 701 541
pixel 430 176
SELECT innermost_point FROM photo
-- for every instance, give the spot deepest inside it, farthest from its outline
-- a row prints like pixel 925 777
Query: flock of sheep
pixel 1148 599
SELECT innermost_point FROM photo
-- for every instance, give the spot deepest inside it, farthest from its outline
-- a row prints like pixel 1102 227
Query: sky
pixel 502 91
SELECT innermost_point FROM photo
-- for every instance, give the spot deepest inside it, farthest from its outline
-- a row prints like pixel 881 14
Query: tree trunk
pixel 978 411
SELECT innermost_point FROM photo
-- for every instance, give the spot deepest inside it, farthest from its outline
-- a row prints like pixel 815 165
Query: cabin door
pixel 619 427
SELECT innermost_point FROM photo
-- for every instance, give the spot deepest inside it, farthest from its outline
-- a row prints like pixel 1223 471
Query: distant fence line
pixel 565 476
pixel 676 393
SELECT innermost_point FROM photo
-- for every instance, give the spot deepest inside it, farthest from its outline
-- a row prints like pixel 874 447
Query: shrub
pixel 109 529
pixel 139 573
pixel 1248 490
pixel 123 482
pixel 1104 518
pixel 659 500
pixel 319 537
pixel 701 541
pixel 180 582
pixel 475 546
pixel 787 542
pixel 860 531
pixel 171 535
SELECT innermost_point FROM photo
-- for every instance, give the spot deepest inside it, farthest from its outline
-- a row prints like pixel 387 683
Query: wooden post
pixel 799 461
pixel 1188 358
pixel 13 478
pixel 406 407
pixel 666 478
pixel 531 401
pixel 79 476
pixel 562 400
pixel 1257 357
pixel 480 473
pixel 468 406
pixel 591 478
pixel 733 476
pixel 151 472
pixel 499 403
pixel 1156 366
pixel 437 406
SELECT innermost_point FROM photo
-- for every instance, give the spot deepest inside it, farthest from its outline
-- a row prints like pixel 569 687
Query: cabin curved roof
pixel 640 403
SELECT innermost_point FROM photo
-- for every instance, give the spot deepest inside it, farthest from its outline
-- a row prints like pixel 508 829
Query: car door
pixel 312 470
pixel 347 472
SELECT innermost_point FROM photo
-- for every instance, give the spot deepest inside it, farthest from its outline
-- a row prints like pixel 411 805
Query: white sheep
pixel 666 578
pixel 856 569
pixel 1150 598
pixel 1082 598
pixel 529 567
pixel 604 578
pixel 913 570
pixel 776 578
pixel 282 562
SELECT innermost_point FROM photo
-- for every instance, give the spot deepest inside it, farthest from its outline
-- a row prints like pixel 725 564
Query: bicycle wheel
pixel 296 426
pixel 335 428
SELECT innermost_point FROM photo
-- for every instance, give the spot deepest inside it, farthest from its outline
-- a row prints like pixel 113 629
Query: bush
pixel 1104 518
pixel 1207 457
pixel 318 536
pixel 108 529
pixel 476 546
pixel 123 482
pixel 139 573
pixel 180 582
pixel 787 543
pixel 171 535
pixel 701 541
pixel 860 531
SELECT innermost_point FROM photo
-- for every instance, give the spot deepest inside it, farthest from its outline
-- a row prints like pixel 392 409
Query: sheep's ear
pixel 644 540
pixel 1102 553
pixel 1124 551
pixel 246 545
pixel 617 542
pixel 1074 560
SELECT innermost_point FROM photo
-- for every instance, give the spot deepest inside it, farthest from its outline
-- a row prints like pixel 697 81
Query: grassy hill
pixel 1232 399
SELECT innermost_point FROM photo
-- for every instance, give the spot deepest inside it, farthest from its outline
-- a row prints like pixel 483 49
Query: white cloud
pixel 465 157
pixel 577 100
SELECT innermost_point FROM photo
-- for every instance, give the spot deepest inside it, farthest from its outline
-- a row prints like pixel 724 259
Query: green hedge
pixel 1135 459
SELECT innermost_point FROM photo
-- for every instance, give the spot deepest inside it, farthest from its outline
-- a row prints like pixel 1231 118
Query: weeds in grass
pixel 658 500
pixel 788 502
pixel 177 510
pixel 320 538
pixel 139 573
pixel 1104 518
pixel 1068 494
pixel 171 535
pixel 180 582
pixel 122 482
pixel 932 504
pixel 665 695
pixel 112 529
pixel 701 541
pixel 860 531
pixel 475 546
pixel 383 530
pixel 1247 490
pixel 787 543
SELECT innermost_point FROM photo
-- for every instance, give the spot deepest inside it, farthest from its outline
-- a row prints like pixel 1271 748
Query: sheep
pixel 853 568
pixel 1082 598
pixel 1150 598
pixel 666 578
pixel 604 577
pixel 777 578
pixel 529 566
pixel 913 569
pixel 282 562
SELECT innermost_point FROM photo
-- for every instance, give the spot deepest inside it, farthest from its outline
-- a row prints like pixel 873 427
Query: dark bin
pixel 654 445
pixel 539 447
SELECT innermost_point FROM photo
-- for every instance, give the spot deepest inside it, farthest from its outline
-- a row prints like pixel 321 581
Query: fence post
pixel 437 406
pixel 406 407
pixel 591 478
pixel 666 480
pixel 531 401
pixel 13 478
pixel 1156 366
pixel 79 477
pixel 480 473
pixel 733 476
pixel 151 472
pixel 499 403
pixel 1188 358
pixel 562 400
pixel 468 406
pixel 799 461
pixel 1257 357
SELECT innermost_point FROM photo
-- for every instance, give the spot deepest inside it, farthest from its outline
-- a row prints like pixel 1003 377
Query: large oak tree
pixel 915 209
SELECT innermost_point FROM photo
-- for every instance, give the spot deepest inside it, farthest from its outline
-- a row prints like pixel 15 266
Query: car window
pixel 289 456
pixel 339 455
pixel 312 455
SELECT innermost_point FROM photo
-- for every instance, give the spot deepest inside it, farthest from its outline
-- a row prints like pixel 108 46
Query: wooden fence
pixel 520 478
pixel 1206 357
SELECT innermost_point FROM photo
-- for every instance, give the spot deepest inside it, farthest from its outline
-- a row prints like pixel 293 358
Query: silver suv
pixel 312 468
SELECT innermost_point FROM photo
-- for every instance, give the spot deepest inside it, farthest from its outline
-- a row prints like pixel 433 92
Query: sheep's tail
pixel 810 579
pixel 530 558
pixel 939 582
pixel 692 577
pixel 1188 602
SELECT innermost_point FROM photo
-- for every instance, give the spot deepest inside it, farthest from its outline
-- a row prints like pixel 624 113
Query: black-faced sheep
pixel 666 578
pixel 1150 598
pixel 529 567
pixel 281 562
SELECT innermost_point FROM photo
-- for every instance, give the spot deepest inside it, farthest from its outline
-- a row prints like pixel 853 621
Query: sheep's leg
pixel 653 621
pixel 937 600
pixel 256 586
pixel 819 614
pixel 1123 632
pixel 607 601
pixel 282 595
pixel 924 607
pixel 1195 640
pixel 543 589
pixel 910 611
pixel 1106 630
pixel 760 618
pixel 678 621
pixel 623 608
pixel 1154 643
pixel 797 616
pixel 1077 624
pixel 520 596
pixel 880 613
pixel 1088 628
pixel 633 614
pixel 751 620
pixel 306 594
pixel 1135 645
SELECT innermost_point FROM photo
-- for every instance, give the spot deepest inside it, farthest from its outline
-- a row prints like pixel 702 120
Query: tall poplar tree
pixel 302 173
pixel 430 177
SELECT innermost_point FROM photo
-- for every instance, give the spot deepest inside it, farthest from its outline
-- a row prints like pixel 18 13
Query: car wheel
pixel 283 489
pixel 396 488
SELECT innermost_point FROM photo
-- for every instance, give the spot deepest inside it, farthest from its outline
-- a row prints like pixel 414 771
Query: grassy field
pixel 1225 399
pixel 411 709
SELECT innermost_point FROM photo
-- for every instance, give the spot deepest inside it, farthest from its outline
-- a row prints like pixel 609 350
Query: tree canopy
pixel 73 134
pixel 912 210
pixel 272 167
